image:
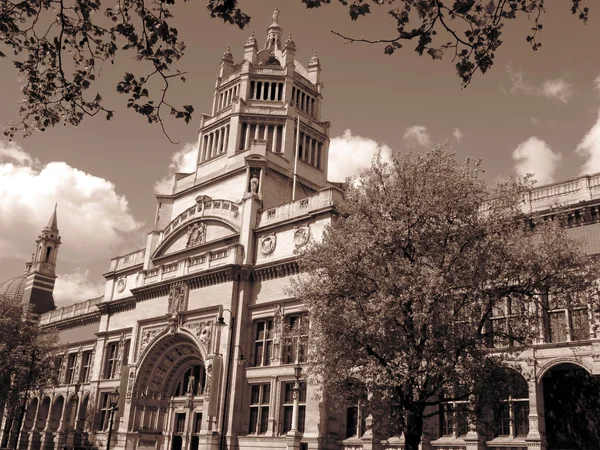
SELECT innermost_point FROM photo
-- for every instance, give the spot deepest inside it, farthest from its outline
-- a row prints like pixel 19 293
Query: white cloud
pixel 597 83
pixel 589 147
pixel 458 134
pixel 349 155
pixel 182 161
pixel 76 287
pixel 94 221
pixel 535 157
pixel 557 89
pixel 417 135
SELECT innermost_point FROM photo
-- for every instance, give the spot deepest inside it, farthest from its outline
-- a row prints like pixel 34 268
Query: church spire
pixel 52 223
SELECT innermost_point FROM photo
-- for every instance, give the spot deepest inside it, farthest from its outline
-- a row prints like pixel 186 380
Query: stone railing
pixel 78 309
pixel 129 260
pixel 323 199
pixel 269 70
pixel 581 189
pixel 184 182
pixel 227 210
pixel 197 263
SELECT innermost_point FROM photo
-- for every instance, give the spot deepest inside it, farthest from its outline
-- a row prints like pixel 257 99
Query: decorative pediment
pixel 194 234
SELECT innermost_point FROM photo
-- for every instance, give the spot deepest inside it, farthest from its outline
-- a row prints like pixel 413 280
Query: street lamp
pixel 113 400
pixel 296 398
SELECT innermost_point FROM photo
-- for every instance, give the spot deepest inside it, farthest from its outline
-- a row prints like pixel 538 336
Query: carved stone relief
pixel 121 285
pixel 196 234
pixel 277 332
pixel 302 235
pixel 177 297
pixel 202 329
pixel 268 244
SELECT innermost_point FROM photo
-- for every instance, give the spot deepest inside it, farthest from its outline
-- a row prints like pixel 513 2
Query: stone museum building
pixel 193 329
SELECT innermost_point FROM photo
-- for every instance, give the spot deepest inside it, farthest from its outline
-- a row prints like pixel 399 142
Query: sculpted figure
pixel 254 184
pixel 176 297
pixel 276 15
pixel 190 386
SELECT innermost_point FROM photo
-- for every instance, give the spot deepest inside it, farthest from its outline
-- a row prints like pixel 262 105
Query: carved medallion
pixel 121 284
pixel 302 235
pixel 268 243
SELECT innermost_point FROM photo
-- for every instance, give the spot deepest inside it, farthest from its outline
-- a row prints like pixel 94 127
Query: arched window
pixel 48 250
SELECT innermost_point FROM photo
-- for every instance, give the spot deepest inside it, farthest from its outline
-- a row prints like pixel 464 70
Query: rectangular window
pixel 447 419
pixel 111 360
pixel 288 407
pixel 522 417
pixel 504 420
pixel 558 326
pixel 70 375
pixel 86 366
pixel 263 343
pixel 197 422
pixel 104 411
pixel 260 396
pixel 580 325
pixel 296 339
pixel 179 422
pixel 126 346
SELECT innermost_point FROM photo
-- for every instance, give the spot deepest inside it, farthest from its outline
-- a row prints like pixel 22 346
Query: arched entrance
pixel 571 407
pixel 82 423
pixel 28 423
pixel 168 395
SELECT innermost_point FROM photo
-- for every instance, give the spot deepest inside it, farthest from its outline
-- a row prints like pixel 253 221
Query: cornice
pixel 74 322
pixel 278 269
pixel 116 306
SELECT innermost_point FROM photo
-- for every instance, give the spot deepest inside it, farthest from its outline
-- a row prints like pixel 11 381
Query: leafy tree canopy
pixel 403 287
pixel 27 352
pixel 60 46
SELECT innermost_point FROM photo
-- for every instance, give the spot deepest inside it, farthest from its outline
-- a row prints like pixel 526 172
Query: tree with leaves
pixel 28 355
pixel 403 287
pixel 60 46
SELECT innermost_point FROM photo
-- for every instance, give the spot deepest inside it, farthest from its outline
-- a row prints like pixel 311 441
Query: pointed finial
pixel 252 35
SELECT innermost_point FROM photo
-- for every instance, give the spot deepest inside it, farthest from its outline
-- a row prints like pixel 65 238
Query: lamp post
pixel 113 400
pixel 296 397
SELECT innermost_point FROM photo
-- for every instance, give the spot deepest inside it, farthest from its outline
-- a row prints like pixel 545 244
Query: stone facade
pixel 193 329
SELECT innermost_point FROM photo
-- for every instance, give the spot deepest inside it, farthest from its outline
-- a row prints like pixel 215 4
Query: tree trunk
pixel 414 431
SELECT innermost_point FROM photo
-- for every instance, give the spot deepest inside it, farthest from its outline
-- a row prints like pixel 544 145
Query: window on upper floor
pixel 564 319
pixel 71 363
pixel 110 367
pixel 295 348
pixel 86 366
pixel 263 342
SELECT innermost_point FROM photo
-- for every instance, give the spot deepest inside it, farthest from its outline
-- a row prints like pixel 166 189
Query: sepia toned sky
pixel 533 112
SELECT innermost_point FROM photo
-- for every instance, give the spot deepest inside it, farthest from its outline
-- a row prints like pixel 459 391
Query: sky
pixel 533 112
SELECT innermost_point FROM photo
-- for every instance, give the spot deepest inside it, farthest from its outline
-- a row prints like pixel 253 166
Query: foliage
pixel 60 47
pixel 27 352
pixel 402 288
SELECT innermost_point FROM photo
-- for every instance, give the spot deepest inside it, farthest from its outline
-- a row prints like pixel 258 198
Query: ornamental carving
pixel 77 365
pixel 177 295
pixel 268 244
pixel 196 234
pixel 147 337
pixel 301 235
pixel 120 350
pixel 203 331
pixel 121 285
pixel 130 383
pixel 277 332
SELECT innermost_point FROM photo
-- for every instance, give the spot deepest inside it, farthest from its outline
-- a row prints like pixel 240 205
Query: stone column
pixel 536 438
pixel 274 144
pixel 247 136
pixel 256 131
pixel 219 141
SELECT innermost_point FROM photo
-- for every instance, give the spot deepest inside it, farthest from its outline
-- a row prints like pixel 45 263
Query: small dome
pixel 13 288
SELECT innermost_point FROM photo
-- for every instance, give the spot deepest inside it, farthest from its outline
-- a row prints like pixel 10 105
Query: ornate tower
pixel 258 105
pixel 41 271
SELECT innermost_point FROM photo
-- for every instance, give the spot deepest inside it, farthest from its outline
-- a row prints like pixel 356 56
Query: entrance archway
pixel 571 407
pixel 171 373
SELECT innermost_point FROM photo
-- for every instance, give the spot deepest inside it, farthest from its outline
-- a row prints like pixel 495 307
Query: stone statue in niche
pixel 196 234
pixel 205 336
pixel 190 385
pixel 176 298
pixel 254 184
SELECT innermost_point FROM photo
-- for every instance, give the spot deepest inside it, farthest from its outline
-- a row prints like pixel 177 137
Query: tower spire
pixel 53 223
